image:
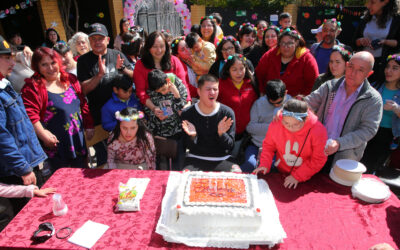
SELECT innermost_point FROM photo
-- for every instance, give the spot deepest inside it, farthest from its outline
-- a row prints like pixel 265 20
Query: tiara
pixel 342 50
pixel 395 57
pixel 291 32
pixel 176 41
pixel 128 118
pixel 333 20
pixel 236 55
pixel 206 17
pixel 247 24
pixel 229 38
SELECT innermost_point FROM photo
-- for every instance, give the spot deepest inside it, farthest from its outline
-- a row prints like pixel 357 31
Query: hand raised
pixel 120 62
pixel 189 128
pixel 224 125
pixel 102 66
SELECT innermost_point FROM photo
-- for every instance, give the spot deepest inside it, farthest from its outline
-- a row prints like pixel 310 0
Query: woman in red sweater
pixel 237 90
pixel 298 140
pixel 291 62
pixel 180 49
pixel 156 55
pixel 58 110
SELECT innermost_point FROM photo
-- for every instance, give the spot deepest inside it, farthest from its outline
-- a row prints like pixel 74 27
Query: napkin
pixel 87 235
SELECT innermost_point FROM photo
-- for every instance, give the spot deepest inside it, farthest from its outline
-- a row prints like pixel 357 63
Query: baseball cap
pixel 5 48
pixel 98 29
pixel 317 30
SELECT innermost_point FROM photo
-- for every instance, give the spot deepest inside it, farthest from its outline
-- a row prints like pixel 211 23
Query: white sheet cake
pixel 219 210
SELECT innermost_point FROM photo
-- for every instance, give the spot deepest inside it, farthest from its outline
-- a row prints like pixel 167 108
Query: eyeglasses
pixel 228 49
pixel 287 45
pixel 207 26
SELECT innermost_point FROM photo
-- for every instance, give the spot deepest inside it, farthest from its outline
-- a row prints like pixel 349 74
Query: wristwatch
pixel 122 68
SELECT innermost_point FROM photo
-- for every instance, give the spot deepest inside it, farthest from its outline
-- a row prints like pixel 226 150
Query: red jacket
pixel 287 146
pixel 192 89
pixel 240 101
pixel 35 100
pixel 299 75
pixel 141 83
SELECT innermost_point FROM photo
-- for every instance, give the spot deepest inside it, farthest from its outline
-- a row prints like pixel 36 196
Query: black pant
pixel 377 150
pixel 194 164
pixel 18 203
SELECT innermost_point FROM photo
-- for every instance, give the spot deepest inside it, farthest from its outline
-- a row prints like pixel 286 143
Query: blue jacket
pixel 395 119
pixel 113 105
pixel 20 150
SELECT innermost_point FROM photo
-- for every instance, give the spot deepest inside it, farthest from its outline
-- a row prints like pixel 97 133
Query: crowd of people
pixel 258 102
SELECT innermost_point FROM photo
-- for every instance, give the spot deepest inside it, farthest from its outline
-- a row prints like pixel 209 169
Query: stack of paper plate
pixel 347 172
pixel 371 190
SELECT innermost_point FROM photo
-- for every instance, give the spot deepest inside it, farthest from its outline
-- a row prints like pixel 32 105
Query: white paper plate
pixel 351 166
pixel 371 190
pixel 340 181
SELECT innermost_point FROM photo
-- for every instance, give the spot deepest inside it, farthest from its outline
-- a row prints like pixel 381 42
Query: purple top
pixel 338 111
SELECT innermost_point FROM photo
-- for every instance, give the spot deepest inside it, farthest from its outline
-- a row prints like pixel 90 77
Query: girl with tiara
pixel 130 145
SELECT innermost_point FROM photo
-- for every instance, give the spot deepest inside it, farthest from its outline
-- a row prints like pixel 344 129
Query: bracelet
pixel 64 235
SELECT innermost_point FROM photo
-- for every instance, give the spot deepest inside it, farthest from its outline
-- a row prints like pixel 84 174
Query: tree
pixel 65 10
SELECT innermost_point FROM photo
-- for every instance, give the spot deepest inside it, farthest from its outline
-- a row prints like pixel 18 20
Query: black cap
pixel 4 46
pixel 98 29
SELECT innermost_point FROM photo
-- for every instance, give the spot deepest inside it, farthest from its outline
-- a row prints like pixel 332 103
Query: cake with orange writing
pixel 217 203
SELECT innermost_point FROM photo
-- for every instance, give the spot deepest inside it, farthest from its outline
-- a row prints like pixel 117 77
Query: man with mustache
pixel 322 51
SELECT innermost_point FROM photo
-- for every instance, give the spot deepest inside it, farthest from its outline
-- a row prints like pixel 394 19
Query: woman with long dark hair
pixel 180 49
pixel 336 67
pixel 58 110
pixel 237 90
pixel 131 145
pixel 156 55
pixel 208 30
pixel 123 29
pixel 269 41
pixel 246 37
pixel 378 148
pixel 379 33
pixel 52 37
pixel 226 47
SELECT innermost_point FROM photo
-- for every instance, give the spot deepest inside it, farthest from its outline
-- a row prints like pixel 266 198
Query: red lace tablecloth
pixel 319 214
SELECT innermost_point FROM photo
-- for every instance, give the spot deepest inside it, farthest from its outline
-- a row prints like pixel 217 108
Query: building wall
pixel 116 14
pixel 49 14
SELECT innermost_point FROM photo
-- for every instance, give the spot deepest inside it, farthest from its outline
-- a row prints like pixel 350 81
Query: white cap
pixel 316 31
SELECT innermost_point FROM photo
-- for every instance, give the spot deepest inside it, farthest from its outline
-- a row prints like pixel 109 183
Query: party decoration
pixel 53 24
pixel 100 15
pixel 241 13
pixel 12 10
pixel 131 8
pixel 318 22
pixel 306 15
pixel 232 23
pixel 330 12
pixel 254 16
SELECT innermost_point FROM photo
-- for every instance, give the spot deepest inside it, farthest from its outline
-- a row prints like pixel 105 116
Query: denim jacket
pixel 395 118
pixel 20 149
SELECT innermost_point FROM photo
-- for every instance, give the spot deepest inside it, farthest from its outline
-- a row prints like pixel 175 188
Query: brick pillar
pixel 292 10
pixel 196 12
pixel 116 14
pixel 49 13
